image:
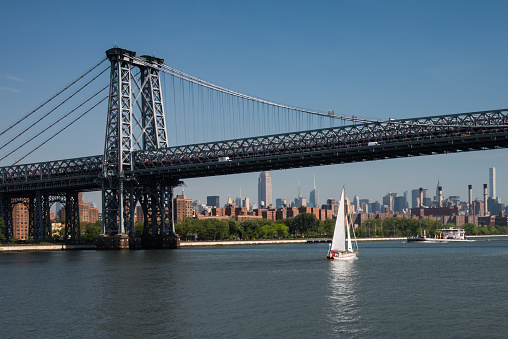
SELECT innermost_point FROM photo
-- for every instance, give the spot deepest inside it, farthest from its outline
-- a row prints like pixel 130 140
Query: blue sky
pixel 374 59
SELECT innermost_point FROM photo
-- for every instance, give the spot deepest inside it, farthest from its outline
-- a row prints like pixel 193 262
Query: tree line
pixel 303 225
pixel 403 227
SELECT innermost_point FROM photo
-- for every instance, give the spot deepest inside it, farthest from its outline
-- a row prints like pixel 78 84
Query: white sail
pixel 349 245
pixel 339 235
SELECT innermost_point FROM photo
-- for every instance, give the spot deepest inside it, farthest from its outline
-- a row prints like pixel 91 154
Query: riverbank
pixel 273 242
pixel 191 244
pixel 44 247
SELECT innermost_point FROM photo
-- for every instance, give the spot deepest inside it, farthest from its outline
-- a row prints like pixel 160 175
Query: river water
pixel 394 289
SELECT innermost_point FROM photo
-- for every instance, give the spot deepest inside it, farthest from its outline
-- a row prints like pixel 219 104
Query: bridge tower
pixel 135 122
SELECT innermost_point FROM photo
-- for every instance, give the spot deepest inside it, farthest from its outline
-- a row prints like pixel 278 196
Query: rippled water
pixel 394 289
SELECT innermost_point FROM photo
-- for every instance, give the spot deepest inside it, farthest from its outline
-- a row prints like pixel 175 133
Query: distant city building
pixel 199 207
pixel 229 203
pixel 375 207
pixel 264 190
pixel 439 188
pixel 400 204
pixel 331 205
pixel 279 203
pixel 356 203
pixel 415 198
pixel 365 205
pixel 492 183
pixel 213 201
pixel 298 202
pixel 388 200
pixel 314 195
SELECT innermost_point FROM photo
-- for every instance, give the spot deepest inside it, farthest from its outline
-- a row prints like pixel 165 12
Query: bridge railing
pixel 52 170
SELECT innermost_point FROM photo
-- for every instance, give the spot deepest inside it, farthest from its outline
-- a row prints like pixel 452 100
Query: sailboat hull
pixel 341 255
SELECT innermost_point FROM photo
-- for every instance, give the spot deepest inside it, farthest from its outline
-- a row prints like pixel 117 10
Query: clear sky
pixel 374 59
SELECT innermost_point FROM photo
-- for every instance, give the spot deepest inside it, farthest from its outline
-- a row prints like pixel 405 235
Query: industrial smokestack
pixel 470 192
pixel 485 209
pixel 421 197
pixel 440 198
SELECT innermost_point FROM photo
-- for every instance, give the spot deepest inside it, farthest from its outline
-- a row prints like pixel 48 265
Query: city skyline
pixel 377 60
pixel 305 192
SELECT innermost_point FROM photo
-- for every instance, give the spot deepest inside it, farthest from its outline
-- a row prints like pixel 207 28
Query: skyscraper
pixel 314 195
pixel 492 183
pixel 264 190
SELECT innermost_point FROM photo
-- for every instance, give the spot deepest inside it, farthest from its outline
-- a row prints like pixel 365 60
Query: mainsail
pixel 339 235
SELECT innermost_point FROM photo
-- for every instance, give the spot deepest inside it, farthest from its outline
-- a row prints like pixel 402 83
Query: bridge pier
pixel 137 242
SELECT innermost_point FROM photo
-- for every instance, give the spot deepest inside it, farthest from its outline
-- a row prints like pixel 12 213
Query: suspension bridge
pixel 217 131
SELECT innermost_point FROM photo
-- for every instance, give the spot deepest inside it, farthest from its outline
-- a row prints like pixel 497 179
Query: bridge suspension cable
pixel 53 97
pixel 184 76
pixel 56 122
pixel 62 129
pixel 53 110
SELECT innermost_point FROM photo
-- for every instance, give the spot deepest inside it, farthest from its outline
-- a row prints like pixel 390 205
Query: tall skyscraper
pixel 314 195
pixel 492 183
pixel 264 190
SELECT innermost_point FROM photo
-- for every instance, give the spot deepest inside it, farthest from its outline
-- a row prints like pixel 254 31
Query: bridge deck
pixel 354 143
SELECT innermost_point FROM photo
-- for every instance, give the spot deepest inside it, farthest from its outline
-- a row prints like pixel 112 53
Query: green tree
pixel 235 229
pixel 92 230
pixel 2 230
pixel 304 223
pixel 470 229
pixel 326 227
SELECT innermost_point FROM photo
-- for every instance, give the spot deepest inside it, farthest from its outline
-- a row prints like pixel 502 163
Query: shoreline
pixel 193 244
pixel 273 242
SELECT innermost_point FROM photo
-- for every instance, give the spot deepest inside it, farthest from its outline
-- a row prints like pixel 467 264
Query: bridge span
pixel 144 169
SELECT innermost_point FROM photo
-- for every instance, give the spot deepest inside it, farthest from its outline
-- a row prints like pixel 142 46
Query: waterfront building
pixel 20 220
pixel 87 213
pixel 139 218
pixel 182 207
pixel 264 190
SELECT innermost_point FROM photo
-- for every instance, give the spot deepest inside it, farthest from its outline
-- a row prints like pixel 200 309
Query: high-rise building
pixel 314 195
pixel 399 204
pixel 438 198
pixel 492 183
pixel 212 201
pixel 20 221
pixel 182 207
pixel 388 200
pixel 279 203
pixel 264 190
pixel 356 203
pixel 415 198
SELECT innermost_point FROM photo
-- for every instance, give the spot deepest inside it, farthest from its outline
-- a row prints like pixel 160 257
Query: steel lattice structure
pixel 138 166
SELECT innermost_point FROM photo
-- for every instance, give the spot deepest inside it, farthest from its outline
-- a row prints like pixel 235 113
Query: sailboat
pixel 341 247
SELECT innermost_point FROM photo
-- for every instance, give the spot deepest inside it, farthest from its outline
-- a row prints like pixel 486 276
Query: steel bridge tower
pixel 135 121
